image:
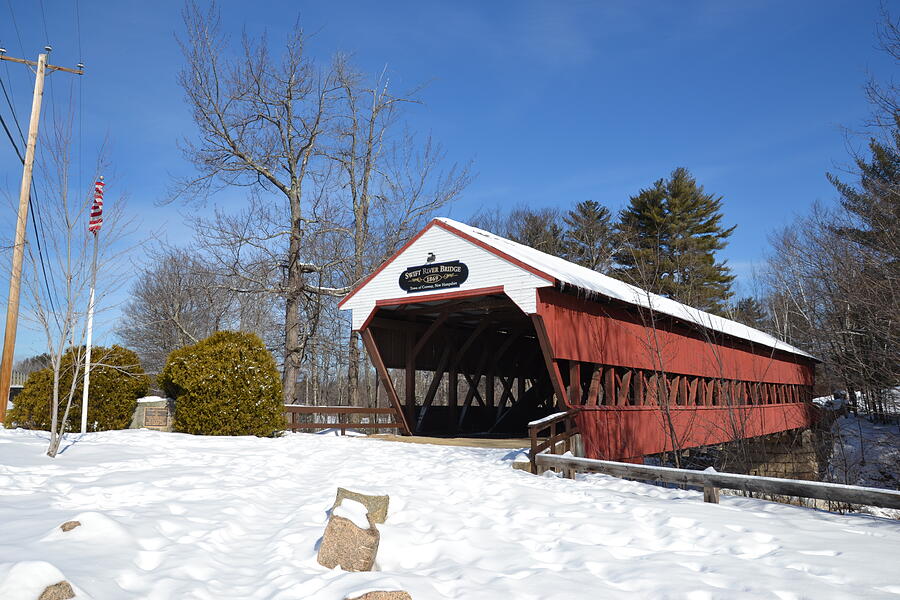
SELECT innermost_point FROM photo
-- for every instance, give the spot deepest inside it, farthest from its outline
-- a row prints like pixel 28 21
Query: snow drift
pixel 176 516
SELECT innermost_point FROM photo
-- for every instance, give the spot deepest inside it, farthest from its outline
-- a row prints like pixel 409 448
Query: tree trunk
pixel 314 368
pixel 291 349
pixel 54 419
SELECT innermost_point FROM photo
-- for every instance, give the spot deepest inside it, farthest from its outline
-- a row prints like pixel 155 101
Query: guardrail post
pixel 710 494
pixel 531 455
pixel 553 432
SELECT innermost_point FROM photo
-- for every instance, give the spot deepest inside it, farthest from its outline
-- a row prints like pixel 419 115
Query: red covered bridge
pixel 518 334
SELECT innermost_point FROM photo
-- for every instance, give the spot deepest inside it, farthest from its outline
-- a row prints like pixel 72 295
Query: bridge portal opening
pixel 467 367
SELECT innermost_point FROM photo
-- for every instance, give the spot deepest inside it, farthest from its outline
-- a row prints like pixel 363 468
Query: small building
pixel 518 334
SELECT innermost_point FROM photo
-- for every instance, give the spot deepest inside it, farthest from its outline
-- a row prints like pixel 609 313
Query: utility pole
pixel 15 276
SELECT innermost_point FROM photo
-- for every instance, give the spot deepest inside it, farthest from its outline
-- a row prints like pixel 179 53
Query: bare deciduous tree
pixel 57 281
pixel 830 296
pixel 885 96
pixel 334 182
pixel 178 300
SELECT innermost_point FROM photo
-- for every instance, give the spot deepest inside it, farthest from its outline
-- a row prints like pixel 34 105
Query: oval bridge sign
pixel 434 276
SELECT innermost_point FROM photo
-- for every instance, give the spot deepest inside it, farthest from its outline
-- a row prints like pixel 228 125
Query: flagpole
pixel 94 227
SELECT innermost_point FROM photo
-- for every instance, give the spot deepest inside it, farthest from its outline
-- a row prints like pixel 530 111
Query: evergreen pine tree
pixel 643 229
pixel 589 236
pixel 670 233
pixel 875 203
pixel 749 312
pixel 540 229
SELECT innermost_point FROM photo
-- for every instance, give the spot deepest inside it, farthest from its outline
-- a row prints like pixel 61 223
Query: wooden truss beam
pixel 556 379
pixel 386 382
pixel 428 333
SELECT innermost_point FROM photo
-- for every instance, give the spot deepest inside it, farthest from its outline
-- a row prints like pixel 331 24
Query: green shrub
pixel 227 384
pixel 117 381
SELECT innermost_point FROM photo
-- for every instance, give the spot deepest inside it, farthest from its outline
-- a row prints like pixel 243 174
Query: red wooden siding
pixel 604 333
pixel 629 433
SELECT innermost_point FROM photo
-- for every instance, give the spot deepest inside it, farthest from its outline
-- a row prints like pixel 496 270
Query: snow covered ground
pixel 169 516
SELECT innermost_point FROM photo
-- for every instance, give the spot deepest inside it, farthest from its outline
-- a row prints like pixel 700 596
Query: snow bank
pixel 95 528
pixel 27 579
pixel 176 516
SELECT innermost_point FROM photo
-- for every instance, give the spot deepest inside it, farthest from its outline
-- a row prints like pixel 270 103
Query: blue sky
pixel 555 102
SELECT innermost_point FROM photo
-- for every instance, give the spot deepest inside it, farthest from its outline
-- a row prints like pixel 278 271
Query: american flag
pixel 97 208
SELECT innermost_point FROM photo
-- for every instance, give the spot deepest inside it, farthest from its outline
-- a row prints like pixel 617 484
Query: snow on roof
pixel 592 282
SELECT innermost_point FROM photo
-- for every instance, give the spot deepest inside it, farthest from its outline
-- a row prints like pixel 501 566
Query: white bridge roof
pixel 592 282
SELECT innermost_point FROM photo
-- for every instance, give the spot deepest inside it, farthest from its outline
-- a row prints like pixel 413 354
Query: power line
pixel 33 203
pixel 16 26
pixel 10 104
pixel 80 94
pixel 44 21
pixel 52 99
pixel 49 49
pixel 37 218
pixel 37 236
pixel 11 140
pixel 78 30
pixel 40 233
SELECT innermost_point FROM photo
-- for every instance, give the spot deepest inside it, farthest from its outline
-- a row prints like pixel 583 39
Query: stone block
pixel 70 525
pixel 348 546
pixel 396 595
pixel 57 591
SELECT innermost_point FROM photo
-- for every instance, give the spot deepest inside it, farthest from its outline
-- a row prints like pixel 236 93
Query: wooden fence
pixel 343 418
pixel 562 429
pixel 711 481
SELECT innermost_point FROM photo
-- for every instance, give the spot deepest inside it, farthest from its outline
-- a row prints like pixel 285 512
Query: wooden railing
pixel 343 417
pixel 562 429
pixel 711 481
